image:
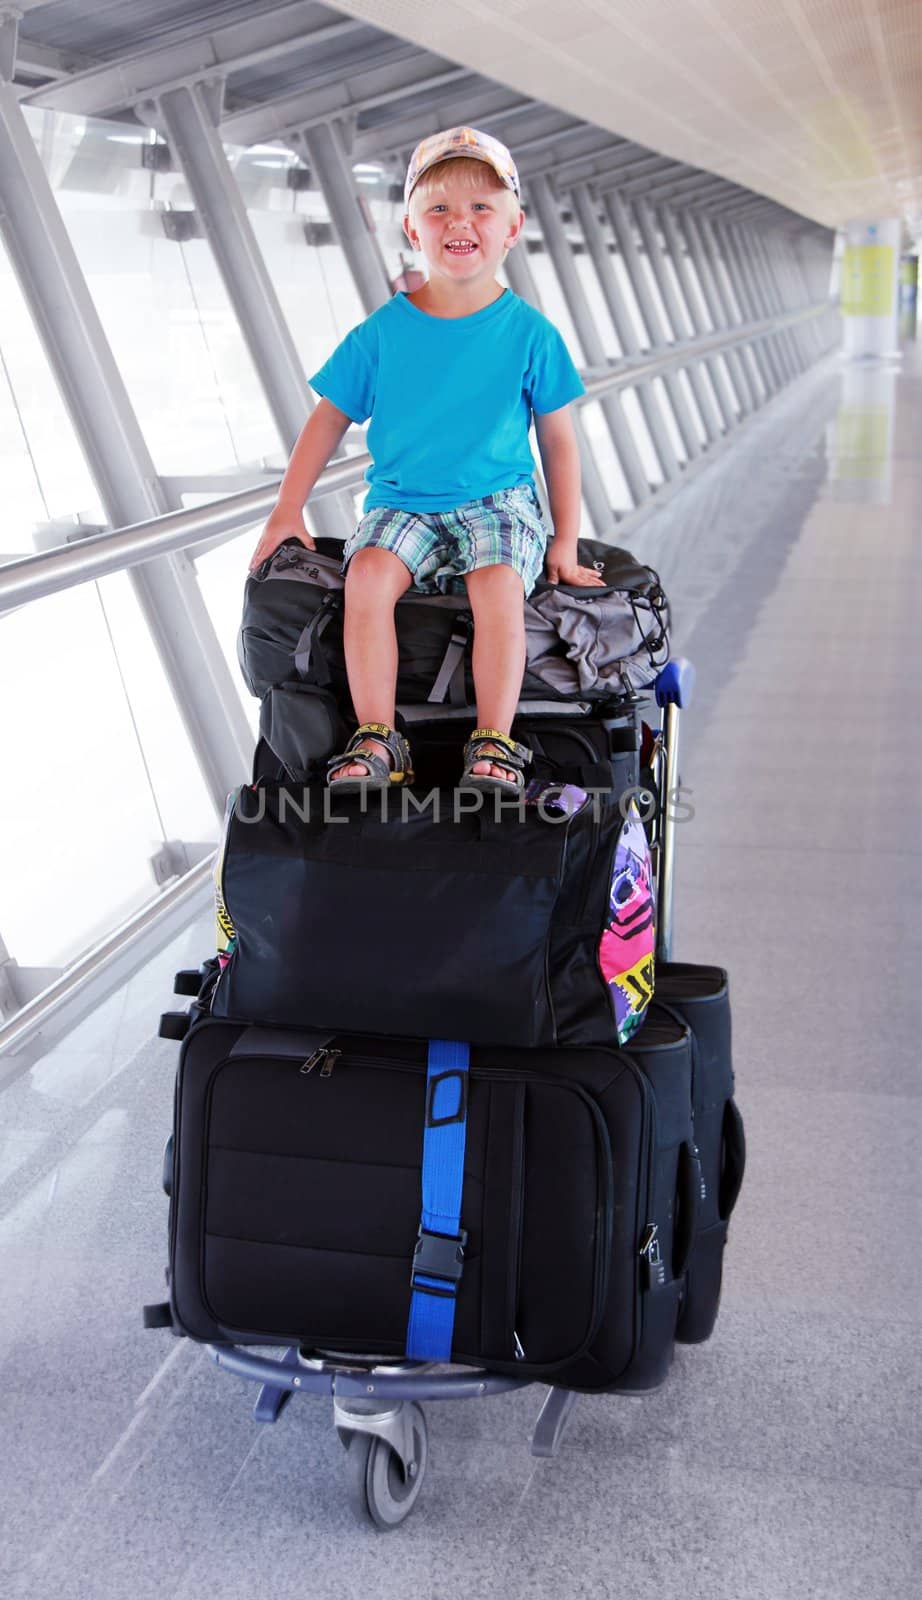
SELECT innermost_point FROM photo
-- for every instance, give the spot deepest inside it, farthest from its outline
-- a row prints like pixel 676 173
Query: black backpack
pixel 589 646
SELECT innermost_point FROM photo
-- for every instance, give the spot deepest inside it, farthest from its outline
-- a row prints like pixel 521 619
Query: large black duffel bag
pixel 296 1195
pixel 431 920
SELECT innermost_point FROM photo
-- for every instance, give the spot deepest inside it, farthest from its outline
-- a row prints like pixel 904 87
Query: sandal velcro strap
pixel 380 775
pixel 518 754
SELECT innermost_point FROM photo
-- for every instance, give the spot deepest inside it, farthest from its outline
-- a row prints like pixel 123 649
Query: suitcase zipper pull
pixel 519 1351
pixel 654 1266
pixel 324 1057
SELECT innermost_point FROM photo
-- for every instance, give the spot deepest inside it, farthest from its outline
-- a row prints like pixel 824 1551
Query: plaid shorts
pixel 503 529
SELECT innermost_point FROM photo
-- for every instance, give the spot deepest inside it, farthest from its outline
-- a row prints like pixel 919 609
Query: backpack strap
pixel 438 1260
pixel 449 680
pixel 309 659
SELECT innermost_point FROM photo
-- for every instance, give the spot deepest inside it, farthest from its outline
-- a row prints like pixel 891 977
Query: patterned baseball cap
pixel 461 142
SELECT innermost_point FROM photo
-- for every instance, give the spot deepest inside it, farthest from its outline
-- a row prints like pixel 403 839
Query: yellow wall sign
pixel 868 274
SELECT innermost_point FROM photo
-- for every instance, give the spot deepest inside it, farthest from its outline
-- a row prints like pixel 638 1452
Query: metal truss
pixel 266 36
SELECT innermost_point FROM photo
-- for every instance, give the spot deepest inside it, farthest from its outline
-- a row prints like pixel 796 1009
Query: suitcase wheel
pixel 381 1487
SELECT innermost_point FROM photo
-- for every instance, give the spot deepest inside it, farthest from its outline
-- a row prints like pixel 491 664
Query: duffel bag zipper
pixel 649 1256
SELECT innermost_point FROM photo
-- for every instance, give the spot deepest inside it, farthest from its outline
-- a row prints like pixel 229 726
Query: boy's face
pixel 464 232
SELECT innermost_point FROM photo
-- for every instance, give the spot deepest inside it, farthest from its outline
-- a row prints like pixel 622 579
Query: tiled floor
pixel 783 1460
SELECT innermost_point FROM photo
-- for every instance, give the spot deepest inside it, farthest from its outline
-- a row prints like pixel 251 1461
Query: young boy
pixel 450 377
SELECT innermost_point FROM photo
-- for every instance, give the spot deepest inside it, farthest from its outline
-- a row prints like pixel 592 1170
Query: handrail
pixel 167 910
pixel 65 566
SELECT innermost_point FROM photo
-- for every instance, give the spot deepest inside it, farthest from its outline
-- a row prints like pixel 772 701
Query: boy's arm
pixel 560 460
pixel 318 440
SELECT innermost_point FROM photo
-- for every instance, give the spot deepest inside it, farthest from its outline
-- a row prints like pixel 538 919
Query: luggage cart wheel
pixel 382 1484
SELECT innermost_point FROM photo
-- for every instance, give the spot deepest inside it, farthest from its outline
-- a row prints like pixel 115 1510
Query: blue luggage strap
pixel 438 1259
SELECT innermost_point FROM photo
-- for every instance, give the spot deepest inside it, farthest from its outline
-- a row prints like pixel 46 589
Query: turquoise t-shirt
pixel 450 399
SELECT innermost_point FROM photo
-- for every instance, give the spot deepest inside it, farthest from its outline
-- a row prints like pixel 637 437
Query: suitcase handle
pixel 688 1195
pixel 732 1160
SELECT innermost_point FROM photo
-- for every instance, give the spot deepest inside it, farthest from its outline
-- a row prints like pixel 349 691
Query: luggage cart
pixel 377 1404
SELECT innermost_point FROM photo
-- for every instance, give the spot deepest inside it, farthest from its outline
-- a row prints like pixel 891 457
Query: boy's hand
pixel 563 567
pixel 284 523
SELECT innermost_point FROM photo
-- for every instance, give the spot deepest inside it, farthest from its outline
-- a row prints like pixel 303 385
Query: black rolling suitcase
pixel 699 996
pixel 295 1199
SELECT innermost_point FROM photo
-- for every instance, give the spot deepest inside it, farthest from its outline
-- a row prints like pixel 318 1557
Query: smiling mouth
pixel 461 247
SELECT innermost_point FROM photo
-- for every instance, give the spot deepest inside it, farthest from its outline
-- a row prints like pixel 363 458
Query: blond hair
pixel 471 172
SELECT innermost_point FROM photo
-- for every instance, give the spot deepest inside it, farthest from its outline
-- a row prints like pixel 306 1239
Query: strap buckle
pixel 438 1255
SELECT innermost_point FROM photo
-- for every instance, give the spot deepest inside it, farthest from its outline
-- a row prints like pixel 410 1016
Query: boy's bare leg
pixel 375 580
pixel 496 595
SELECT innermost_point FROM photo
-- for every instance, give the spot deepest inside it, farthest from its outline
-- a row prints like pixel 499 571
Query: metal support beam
pixel 617 159
pixel 620 219
pixel 777 365
pixel 190 117
pixel 719 312
pixel 545 206
pixel 752 359
pixel 595 493
pixel 761 245
pixel 647 399
pixel 326 155
pixel 476 105
pixel 751 248
pixel 414 73
pixel 676 247
pixel 685 183
pixel 681 329
pixel 548 152
pixel 119 462
pixel 770 252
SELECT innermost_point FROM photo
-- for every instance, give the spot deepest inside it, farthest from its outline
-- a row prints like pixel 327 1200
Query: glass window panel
pixel 754 368
pixel 222 573
pixel 707 380
pixel 692 404
pixel 589 279
pixel 78 820
pixel 600 441
pixel 662 396
pixel 553 303
pixel 704 315
pixel 626 290
pixel 729 381
pixel 45 475
pixel 654 290
pixel 642 438
pixel 162 304
pixel 729 287
pixel 686 331
pixel 314 285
